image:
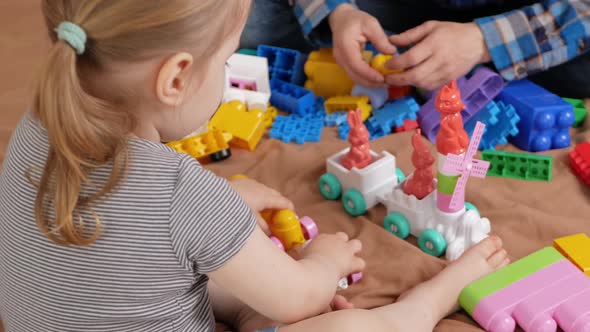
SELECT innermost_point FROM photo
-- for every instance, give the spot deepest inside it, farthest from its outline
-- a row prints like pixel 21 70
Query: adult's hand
pixel 442 51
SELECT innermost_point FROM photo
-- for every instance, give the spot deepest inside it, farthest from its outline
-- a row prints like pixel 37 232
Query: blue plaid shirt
pixel 521 42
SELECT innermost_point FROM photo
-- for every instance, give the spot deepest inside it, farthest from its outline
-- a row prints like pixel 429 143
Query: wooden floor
pixel 23 41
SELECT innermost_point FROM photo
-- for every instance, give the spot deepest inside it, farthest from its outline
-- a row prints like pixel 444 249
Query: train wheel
pixel 309 228
pixel 397 224
pixel 432 242
pixel 330 186
pixel 354 203
pixel 469 206
pixel 401 177
pixel 220 155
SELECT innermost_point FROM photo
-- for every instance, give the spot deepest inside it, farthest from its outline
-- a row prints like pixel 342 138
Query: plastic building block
pixel 247 51
pixel 209 146
pixel 580 110
pixel 580 161
pixel 407 126
pixel 247 81
pixel 545 118
pixel 335 119
pixel 477 91
pixel 349 103
pixel 396 92
pixel 501 122
pixel 378 63
pixel 519 165
pixel 270 115
pixel 297 129
pixel 247 127
pixel 291 98
pixel 378 96
pixel 284 64
pixel 394 114
pixel 358 155
pixel 420 184
pixel 539 292
pixel 576 248
pixel 325 77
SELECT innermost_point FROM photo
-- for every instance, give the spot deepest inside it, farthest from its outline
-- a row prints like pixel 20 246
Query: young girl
pixel 103 228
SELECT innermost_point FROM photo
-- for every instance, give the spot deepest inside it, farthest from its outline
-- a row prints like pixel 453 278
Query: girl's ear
pixel 173 79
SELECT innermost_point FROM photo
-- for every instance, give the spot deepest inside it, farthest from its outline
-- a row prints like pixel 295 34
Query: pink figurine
pixel 359 155
pixel 420 184
pixel 452 137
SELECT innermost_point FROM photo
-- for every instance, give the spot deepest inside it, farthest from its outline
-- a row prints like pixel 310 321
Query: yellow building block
pixel 270 115
pixel 378 63
pixel 247 127
pixel 349 103
pixel 202 147
pixel 325 77
pixel 576 248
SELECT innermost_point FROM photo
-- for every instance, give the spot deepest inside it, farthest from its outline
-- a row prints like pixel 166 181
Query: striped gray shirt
pixel 167 225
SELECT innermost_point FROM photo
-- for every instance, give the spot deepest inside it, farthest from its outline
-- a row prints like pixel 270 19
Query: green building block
pixel 247 51
pixel 518 165
pixel 492 283
pixel 446 184
pixel 579 110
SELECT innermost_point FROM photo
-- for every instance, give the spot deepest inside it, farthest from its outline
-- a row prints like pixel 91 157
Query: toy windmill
pixel 465 166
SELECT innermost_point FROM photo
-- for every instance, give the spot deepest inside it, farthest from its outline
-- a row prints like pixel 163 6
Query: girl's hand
pixel 335 250
pixel 260 197
pixel 351 30
pixel 442 51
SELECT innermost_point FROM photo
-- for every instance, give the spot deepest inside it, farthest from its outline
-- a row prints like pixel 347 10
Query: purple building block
pixel 476 92
pixel 393 115
pixel 501 122
pixel 545 119
pixel 378 96
pixel 284 64
pixel 291 98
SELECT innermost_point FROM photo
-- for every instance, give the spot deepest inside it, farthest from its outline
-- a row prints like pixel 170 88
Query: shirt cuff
pixel 310 13
pixel 512 46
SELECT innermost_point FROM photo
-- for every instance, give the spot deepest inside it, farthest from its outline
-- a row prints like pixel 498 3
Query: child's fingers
pixel 342 236
pixel 355 246
pixel 276 202
pixel 357 265
pixel 414 35
pixel 375 34
pixel 263 224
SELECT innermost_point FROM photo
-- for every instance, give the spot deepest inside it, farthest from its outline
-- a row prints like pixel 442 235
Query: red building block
pixel 408 126
pixel 396 92
pixel 580 161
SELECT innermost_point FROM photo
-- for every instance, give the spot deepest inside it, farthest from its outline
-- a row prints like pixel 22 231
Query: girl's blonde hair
pixel 88 126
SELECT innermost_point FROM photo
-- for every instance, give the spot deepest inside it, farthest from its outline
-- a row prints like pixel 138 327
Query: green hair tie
pixel 72 34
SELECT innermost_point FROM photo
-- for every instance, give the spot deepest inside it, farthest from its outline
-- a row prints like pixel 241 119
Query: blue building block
pixel 284 64
pixel 378 96
pixel 335 119
pixel 297 129
pixel 394 114
pixel 545 118
pixel 501 122
pixel 291 98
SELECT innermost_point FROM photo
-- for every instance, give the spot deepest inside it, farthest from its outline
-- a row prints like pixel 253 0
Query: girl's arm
pixel 282 289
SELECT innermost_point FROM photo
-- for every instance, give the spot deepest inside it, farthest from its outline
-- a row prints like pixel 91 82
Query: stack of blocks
pixel 300 129
pixel 284 64
pixel 394 114
pixel 291 98
pixel 539 292
pixel 545 119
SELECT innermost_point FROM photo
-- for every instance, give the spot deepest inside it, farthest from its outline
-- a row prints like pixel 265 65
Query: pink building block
pixel 575 314
pixel 537 302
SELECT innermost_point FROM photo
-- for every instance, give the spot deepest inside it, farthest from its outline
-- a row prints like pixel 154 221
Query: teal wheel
pixel 469 206
pixel 330 186
pixel 354 203
pixel 432 242
pixel 401 177
pixel 397 224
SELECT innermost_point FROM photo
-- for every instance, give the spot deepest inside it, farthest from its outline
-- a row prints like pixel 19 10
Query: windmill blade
pixel 453 164
pixel 458 198
pixel 475 140
pixel 480 168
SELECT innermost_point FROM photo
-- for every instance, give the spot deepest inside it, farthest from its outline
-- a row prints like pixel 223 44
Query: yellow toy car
pixel 211 146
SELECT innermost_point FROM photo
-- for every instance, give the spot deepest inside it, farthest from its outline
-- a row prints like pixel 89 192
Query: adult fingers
pixel 413 35
pixel 349 56
pixel 375 34
pixel 413 57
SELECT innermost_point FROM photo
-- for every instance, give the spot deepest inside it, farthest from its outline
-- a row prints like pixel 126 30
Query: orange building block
pixel 576 248
pixel 325 77
pixel 247 127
